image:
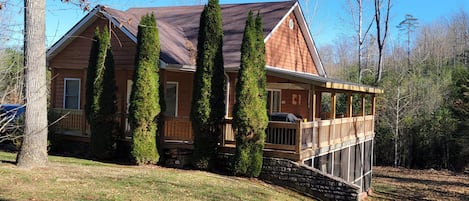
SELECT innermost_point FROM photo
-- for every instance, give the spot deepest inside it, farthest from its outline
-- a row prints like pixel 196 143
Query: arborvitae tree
pixel 208 106
pixel 103 106
pixel 144 98
pixel 250 112
pixel 91 75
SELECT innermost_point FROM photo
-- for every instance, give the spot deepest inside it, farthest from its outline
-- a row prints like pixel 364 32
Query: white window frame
pixel 280 101
pixel 177 96
pixel 65 92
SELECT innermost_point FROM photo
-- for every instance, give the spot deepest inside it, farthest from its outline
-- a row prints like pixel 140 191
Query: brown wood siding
pixel 295 101
pixel 287 48
pixel 72 62
pixel 76 54
pixel 287 105
pixel 58 85
pixel 291 98
pixel 273 79
pixel 185 81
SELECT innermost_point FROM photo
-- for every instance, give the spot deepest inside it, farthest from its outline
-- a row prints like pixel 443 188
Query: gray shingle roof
pixel 178 27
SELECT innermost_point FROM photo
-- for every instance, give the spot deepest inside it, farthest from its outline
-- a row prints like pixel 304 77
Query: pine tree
pixel 250 113
pixel 208 106
pixel 102 107
pixel 144 99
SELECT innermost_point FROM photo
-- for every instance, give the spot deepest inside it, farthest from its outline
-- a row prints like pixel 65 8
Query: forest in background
pixel 422 117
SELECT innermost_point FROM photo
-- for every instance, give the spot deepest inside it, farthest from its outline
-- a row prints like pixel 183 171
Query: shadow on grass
pixel 9 162
pixel 411 192
pixel 422 181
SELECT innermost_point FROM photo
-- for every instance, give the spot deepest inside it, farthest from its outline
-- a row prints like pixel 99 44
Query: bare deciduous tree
pixel 382 29
pixel 357 16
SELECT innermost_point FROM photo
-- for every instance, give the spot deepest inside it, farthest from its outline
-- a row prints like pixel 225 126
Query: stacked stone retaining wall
pixel 302 178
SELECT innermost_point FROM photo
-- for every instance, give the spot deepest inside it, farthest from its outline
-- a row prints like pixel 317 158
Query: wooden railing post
pixel 298 136
pixel 224 130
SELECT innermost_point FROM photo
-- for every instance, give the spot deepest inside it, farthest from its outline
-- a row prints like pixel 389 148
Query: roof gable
pixel 178 28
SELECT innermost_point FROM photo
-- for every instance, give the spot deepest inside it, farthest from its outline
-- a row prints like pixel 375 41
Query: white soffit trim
pixel 76 30
pixel 309 40
pixel 280 22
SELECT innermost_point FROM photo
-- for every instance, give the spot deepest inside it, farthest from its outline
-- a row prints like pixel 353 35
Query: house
pixel 333 136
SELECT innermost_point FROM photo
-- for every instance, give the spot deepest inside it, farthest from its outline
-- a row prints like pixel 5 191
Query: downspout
pixel 227 100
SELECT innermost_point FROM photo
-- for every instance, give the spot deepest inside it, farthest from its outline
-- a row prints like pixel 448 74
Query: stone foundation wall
pixel 303 179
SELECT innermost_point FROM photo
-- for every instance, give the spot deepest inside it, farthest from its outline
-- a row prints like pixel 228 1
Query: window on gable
pixel 171 99
pixel 72 93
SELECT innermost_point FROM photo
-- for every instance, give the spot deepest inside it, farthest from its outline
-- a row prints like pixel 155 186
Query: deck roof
pixel 324 82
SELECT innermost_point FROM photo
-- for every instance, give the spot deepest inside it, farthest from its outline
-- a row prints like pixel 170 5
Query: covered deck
pixel 338 114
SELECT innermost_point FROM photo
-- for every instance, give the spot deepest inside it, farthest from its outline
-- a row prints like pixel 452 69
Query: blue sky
pixel 330 18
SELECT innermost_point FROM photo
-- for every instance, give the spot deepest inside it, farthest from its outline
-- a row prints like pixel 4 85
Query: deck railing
pixel 68 121
pixel 282 136
pixel 309 135
pixel 177 129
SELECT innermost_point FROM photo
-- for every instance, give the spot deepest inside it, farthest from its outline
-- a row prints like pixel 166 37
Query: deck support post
pixel 363 108
pixel 349 112
pixel 333 105
pixel 313 103
pixel 373 112
pixel 318 104
pixel 333 116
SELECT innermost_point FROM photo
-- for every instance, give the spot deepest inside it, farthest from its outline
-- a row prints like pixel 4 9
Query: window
pixel 72 93
pixel 171 98
pixel 273 100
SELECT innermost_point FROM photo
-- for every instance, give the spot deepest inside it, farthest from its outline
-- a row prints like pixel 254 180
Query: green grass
pixel 78 179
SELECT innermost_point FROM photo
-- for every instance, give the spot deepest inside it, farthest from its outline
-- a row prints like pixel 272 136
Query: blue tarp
pixel 11 110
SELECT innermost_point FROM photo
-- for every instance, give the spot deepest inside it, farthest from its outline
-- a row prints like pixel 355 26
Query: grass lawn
pixel 78 179
pixel 405 184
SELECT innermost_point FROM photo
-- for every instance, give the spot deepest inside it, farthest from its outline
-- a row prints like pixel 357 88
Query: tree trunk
pixel 381 35
pixel 33 151
pixel 360 42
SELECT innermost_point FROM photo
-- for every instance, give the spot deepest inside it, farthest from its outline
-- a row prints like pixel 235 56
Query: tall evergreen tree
pixel 144 98
pixel 208 106
pixel 102 107
pixel 250 111
pixel 91 75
